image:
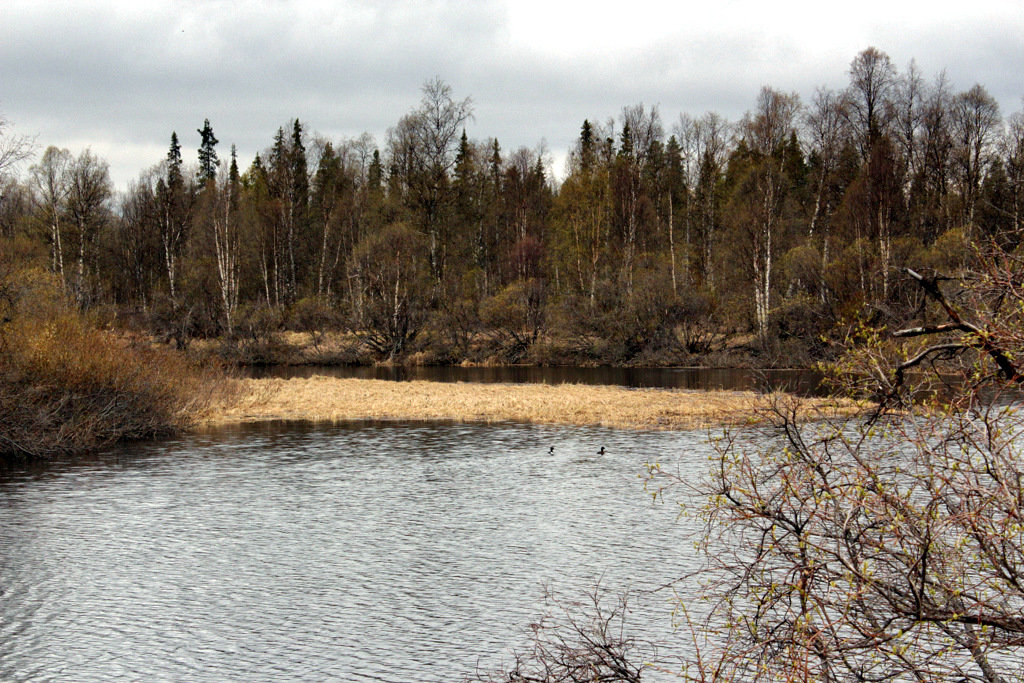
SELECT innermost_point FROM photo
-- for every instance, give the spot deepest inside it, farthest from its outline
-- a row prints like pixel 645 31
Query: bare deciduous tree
pixel 1013 149
pixel 975 119
pixel 642 133
pixel 13 148
pixel 50 181
pixel 711 136
pixel 393 285
pixel 89 190
pixel 227 238
pixel 423 148
pixel 763 191
pixel 872 79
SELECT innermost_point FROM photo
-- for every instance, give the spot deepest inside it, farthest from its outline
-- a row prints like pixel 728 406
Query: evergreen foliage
pixel 208 161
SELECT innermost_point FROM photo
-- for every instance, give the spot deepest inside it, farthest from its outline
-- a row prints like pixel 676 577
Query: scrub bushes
pixel 67 386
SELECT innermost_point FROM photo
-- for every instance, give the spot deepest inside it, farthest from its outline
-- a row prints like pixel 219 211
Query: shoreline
pixel 329 399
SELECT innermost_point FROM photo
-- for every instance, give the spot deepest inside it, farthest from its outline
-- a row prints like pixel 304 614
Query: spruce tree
pixel 586 146
pixel 234 178
pixel 208 161
pixel 173 216
pixel 299 174
pixel 375 174
pixel 174 179
pixel 233 169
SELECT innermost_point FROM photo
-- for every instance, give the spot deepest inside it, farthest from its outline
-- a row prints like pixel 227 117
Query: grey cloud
pixel 129 79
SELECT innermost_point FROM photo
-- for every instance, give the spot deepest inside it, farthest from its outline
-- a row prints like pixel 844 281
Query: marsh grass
pixel 333 399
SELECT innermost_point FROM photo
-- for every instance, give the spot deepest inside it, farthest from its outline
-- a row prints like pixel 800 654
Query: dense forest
pixel 701 240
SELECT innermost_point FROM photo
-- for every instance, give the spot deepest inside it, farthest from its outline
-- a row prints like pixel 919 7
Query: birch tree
pixel 975 119
pixel 872 80
pixel 583 215
pixel 395 284
pixel 138 238
pixel 763 190
pixel 825 129
pixel 1013 146
pixel 641 132
pixel 227 240
pixel 89 189
pixel 175 200
pixel 13 148
pixel 423 149
pixel 936 166
pixel 50 180
pixel 711 137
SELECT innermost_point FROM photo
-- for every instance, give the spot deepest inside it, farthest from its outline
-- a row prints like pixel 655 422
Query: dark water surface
pixel 804 382
pixel 363 552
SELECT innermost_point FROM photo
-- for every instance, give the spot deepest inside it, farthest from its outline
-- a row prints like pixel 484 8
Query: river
pixel 356 552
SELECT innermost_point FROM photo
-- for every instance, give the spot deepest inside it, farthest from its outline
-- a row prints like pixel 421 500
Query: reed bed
pixel 333 399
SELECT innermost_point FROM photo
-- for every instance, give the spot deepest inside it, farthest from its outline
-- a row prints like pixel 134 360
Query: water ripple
pixel 371 552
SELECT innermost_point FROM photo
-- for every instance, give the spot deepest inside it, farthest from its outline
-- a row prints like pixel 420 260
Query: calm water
pixel 804 382
pixel 367 552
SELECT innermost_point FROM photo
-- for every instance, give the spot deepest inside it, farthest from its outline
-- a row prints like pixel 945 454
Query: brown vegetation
pixel 66 386
pixel 329 399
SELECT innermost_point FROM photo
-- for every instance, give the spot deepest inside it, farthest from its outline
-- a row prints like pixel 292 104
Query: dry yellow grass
pixel 333 399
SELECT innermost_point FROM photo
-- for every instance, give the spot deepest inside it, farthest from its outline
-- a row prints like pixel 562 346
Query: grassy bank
pixel 333 399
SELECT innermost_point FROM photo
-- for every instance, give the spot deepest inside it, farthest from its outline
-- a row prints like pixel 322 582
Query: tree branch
pixel 981 338
pixel 937 329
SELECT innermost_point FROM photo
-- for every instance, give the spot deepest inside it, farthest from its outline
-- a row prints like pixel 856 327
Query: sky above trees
pixel 119 77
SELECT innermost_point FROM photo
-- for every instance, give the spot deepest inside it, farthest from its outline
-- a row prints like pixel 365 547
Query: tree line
pixel 664 242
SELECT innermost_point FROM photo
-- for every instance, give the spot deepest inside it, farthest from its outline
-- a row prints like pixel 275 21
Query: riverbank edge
pixel 330 399
pixel 333 348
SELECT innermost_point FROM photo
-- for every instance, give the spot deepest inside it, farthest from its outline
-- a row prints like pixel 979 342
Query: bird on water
pixel 551 451
pixel 601 452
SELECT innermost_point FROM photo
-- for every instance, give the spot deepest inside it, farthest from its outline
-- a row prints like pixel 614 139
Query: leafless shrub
pixel 881 549
pixel 579 641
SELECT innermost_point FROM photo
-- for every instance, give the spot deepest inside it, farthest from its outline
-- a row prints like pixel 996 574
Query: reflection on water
pixel 804 382
pixel 393 552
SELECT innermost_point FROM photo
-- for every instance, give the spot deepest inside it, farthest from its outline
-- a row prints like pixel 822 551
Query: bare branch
pixel 936 329
pixel 979 338
pixel 13 148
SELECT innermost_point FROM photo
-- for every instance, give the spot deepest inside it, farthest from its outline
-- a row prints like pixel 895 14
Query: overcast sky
pixel 120 76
